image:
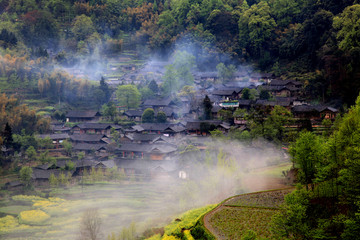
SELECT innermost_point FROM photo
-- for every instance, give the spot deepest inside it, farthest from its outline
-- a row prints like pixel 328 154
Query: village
pixel 152 149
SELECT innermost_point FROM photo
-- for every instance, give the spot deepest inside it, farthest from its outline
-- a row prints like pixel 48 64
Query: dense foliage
pixel 330 166
pixel 315 41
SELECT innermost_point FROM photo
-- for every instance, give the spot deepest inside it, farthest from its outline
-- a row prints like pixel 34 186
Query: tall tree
pixel 82 27
pixel 153 86
pixel 90 225
pixel 226 73
pixel 256 27
pixel 128 96
pixel 184 62
pixel 7 136
pixel 347 25
pixel 170 84
pixel 306 153
pixel 25 175
pixel 207 107
pixel 40 29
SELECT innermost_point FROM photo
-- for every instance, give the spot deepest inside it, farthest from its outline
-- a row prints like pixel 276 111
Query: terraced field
pixel 146 204
pixel 239 214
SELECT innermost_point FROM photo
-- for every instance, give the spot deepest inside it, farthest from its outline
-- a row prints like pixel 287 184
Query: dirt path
pixel 254 183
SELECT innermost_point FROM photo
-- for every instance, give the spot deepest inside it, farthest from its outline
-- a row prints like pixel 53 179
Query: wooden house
pixel 207 76
pixel 98 149
pixel 92 128
pixel 215 111
pixel 169 112
pixel 198 127
pixel 14 186
pixel 88 138
pixel 158 104
pixel 228 93
pixel 314 112
pixel 145 151
pixel 287 83
pixel 245 104
pixel 82 116
pixel 145 138
pixel 328 112
pixel 85 164
pixel 271 104
pixel 278 91
pixel 169 129
pixel 134 115
pixel 41 176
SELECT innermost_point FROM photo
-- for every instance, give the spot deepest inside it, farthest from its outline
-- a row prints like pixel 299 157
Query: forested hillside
pixel 132 81
pixel 313 41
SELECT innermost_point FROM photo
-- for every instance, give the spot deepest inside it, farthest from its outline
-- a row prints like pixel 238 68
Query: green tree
pixel 25 175
pixel 40 29
pixel 45 143
pixel 170 84
pixel 146 93
pixel 31 153
pixel 188 91
pixel 286 11
pixel 70 165
pixel 256 27
pixel 293 221
pixel 217 134
pixel 148 116
pixel 264 95
pixel 161 117
pixel 277 122
pixel 347 25
pixel 245 94
pixel 53 180
pixel 306 153
pixel 153 86
pixel 45 158
pixel 7 137
pixel 82 27
pixel 225 73
pixel 345 153
pixel 226 115
pixel 63 179
pixel 184 62
pixel 207 107
pixel 109 110
pixel 128 96
pixel 105 88
pixel 68 147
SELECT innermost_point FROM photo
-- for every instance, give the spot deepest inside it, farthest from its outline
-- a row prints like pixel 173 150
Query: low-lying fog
pixel 213 175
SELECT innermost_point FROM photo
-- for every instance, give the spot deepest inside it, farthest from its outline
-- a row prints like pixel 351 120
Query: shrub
pixel 52 206
pixel 166 237
pixel 187 235
pixel 187 220
pixel 155 237
pixel 7 223
pixel 33 217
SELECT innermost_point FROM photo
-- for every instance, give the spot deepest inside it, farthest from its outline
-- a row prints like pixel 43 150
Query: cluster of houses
pixel 151 149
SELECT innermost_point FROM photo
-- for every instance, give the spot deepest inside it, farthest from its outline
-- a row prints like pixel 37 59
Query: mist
pixel 211 175
pixel 208 176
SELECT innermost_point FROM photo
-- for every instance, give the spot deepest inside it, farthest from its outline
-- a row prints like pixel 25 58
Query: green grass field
pixel 235 222
pixel 246 212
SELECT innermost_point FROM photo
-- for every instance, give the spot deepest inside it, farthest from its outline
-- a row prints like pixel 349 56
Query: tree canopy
pixel 128 96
